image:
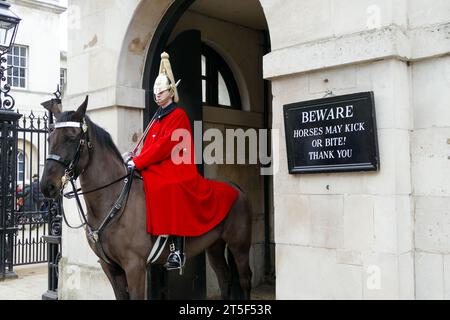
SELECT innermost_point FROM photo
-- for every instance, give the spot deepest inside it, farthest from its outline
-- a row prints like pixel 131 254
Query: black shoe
pixel 175 260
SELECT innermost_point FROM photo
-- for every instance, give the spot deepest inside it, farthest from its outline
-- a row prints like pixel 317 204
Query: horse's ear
pixel 54 106
pixel 81 111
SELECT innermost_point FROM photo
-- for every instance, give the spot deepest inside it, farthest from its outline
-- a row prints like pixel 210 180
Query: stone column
pixel 344 235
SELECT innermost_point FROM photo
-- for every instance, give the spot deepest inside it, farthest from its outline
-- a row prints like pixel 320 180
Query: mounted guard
pixel 120 217
pixel 180 202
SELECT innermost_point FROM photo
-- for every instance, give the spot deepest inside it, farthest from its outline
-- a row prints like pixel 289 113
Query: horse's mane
pixel 98 133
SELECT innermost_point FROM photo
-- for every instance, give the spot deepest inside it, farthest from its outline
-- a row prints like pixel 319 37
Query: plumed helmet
pixel 165 79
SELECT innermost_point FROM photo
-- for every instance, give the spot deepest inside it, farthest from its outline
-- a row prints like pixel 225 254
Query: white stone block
pixel 78 81
pixel 429 276
pixel 430 162
pixel 80 282
pixel 288 90
pixel 405 223
pixel 389 42
pixel 380 276
pixel 358 222
pixel 402 141
pixel 335 79
pixel 99 61
pixel 431 80
pixel 314 274
pixel 406 276
pixel 385 224
pixel 310 220
pixel 316 20
pixel 349 257
pixel 76 247
pixel 130 128
pixel 306 22
pixel 425 12
pixel 366 15
pixel 327 221
pixel 292 219
pixel 348 284
pixel 432 224
pixel 446 277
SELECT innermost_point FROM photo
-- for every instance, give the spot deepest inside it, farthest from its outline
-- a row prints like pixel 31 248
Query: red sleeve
pixel 162 148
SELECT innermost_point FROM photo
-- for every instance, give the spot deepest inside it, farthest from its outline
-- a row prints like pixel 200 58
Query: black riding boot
pixel 176 257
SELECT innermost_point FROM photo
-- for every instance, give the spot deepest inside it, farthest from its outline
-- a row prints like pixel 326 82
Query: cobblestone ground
pixel 30 284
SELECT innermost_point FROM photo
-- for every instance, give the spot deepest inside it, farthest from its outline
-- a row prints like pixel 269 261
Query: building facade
pixel 359 235
pixel 35 63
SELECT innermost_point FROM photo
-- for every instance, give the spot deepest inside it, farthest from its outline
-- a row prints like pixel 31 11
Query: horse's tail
pixel 236 292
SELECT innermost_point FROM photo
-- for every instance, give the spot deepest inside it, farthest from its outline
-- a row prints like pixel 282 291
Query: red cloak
pixel 179 200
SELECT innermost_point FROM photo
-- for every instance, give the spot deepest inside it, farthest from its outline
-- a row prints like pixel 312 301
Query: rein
pixel 73 194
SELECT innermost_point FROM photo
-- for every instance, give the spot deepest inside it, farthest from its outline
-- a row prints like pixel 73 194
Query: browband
pixel 59 125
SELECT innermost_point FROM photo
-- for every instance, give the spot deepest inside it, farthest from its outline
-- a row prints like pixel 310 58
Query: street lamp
pixel 8 145
pixel 9 23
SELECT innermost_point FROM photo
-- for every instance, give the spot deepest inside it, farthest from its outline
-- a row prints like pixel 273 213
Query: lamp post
pixel 53 239
pixel 9 23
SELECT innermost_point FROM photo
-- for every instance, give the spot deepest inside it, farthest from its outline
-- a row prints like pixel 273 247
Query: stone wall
pixel 365 235
pixel 338 236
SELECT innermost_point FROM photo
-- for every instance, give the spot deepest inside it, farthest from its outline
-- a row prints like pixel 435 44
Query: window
pixel 20 166
pixel 17 61
pixel 62 79
pixel 219 88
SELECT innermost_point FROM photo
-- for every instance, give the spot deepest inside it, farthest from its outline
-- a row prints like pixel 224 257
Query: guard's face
pixel 164 97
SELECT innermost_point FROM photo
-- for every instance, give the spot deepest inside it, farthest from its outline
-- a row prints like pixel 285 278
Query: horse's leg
pixel 118 280
pixel 242 259
pixel 237 234
pixel 216 255
pixel 136 277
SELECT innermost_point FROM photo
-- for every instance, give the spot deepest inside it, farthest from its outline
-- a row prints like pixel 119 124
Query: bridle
pixel 70 166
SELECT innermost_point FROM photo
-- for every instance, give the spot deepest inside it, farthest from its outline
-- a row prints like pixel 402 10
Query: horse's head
pixel 68 149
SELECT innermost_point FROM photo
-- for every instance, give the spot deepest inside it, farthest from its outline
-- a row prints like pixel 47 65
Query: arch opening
pixel 236 31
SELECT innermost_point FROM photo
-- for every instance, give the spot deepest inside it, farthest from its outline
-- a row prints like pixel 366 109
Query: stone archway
pixel 141 38
pixel 139 61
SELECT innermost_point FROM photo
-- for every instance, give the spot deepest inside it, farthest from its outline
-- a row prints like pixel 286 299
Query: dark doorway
pixel 193 93
pixel 184 52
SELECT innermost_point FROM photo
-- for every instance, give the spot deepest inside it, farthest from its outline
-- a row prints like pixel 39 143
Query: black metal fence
pixel 30 225
pixel 32 210
pixel 8 153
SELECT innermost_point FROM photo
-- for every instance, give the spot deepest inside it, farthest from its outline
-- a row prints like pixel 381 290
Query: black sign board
pixel 332 134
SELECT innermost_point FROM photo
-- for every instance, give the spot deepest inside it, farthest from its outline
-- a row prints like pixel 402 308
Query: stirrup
pixel 180 260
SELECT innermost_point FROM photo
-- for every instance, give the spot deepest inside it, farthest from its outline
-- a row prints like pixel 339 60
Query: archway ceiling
pixel 247 13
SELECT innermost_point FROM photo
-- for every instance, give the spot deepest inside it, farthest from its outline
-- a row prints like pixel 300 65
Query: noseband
pixel 70 166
